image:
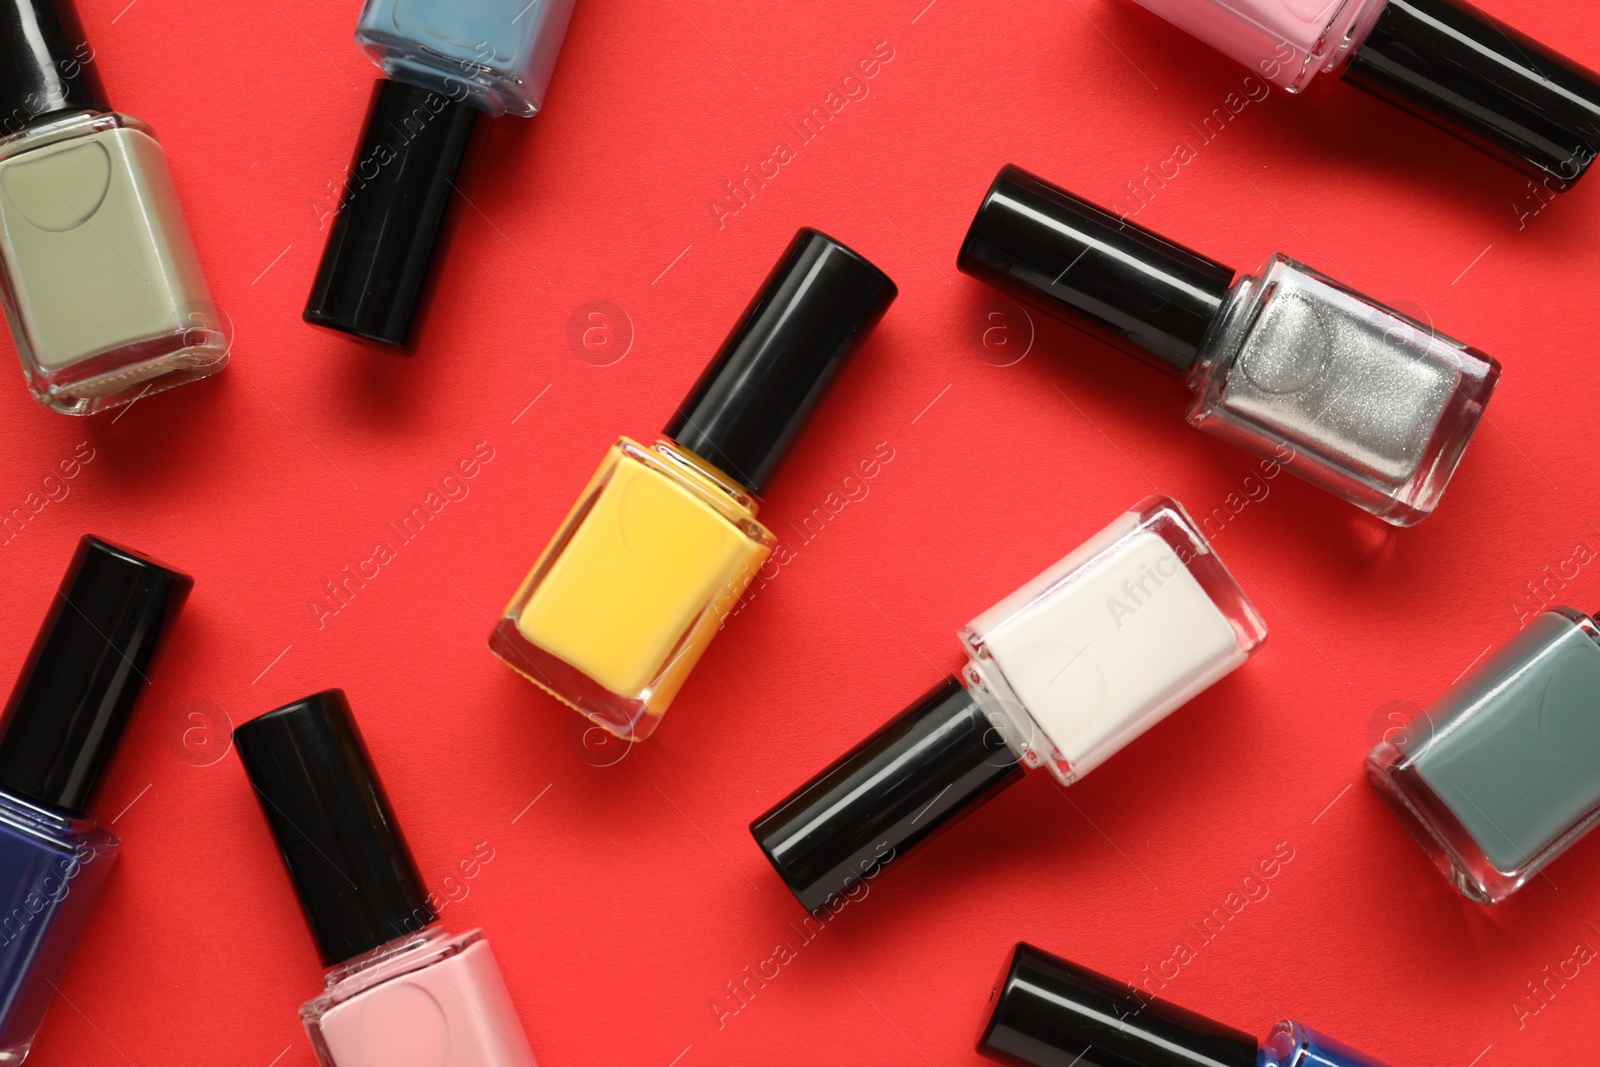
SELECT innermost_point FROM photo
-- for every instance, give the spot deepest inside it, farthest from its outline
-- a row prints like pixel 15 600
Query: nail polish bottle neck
pixel 1341 37
pixel 1225 337
pixel 1292 1044
pixel 1349 32
pixel 65 126
pixel 20 122
pixel 49 820
pixel 395 957
pixel 400 957
pixel 1010 719
pixel 1282 1046
pixel 705 474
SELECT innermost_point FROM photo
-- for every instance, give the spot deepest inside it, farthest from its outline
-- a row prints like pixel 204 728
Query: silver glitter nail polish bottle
pixel 1313 377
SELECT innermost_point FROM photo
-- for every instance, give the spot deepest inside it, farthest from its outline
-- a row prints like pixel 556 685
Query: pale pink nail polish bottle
pixel 1443 60
pixel 400 988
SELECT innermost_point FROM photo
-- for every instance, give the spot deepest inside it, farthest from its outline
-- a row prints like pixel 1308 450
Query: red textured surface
pixel 624 899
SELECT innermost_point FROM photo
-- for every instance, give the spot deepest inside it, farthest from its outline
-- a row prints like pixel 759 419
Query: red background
pixel 622 901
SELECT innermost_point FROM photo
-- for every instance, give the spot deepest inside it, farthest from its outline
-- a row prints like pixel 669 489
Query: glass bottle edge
pixel 413 951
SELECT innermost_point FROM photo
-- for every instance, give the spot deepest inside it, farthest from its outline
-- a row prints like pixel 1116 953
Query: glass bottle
pixel 1443 60
pixel 623 603
pixel 500 53
pixel 1288 42
pixel 1046 1011
pixel 1133 624
pixel 1374 406
pixel 398 986
pixel 56 863
pixel 1061 674
pixel 658 549
pixel 60 728
pixel 1351 396
pixel 1502 773
pixel 430 997
pixel 101 282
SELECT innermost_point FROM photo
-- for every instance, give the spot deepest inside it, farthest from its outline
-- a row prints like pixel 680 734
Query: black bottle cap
pixel 1080 263
pixel 818 303
pixel 1485 82
pixel 354 875
pixel 380 254
pixel 46 64
pixel 1048 1012
pixel 920 773
pixel 88 666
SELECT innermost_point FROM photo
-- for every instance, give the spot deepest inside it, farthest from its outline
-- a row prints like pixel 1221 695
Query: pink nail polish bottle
pixel 400 988
pixel 1443 60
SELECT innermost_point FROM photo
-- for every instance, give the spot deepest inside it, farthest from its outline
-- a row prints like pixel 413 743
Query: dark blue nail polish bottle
pixel 59 729
pixel 1049 1012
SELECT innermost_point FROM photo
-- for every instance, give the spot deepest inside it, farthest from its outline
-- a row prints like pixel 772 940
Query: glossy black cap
pixel 88 666
pixel 1086 266
pixel 357 883
pixel 1048 1012
pixel 46 64
pixel 920 773
pixel 815 307
pixel 379 259
pixel 1480 79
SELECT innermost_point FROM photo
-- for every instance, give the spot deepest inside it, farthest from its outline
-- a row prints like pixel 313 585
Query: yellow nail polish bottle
pixel 664 540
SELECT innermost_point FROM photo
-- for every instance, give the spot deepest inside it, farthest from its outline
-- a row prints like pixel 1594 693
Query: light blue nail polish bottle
pixel 495 54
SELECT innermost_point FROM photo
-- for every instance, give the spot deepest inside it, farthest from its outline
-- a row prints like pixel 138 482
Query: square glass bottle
pixel 1130 626
pixel 56 864
pixel 620 607
pixel 1349 395
pixel 1502 773
pixel 59 730
pixel 1061 674
pixel 398 988
pixel 497 54
pixel 1374 406
pixel 101 282
pixel 1046 1011
pixel 663 542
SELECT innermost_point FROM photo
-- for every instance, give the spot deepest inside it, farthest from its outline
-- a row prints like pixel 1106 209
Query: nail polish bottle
pixel 1290 365
pixel 501 52
pixel 1049 1012
pixel 1442 60
pixel 449 63
pixel 399 987
pixel 1061 674
pixel 60 728
pixel 1502 773
pixel 664 540
pixel 101 282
